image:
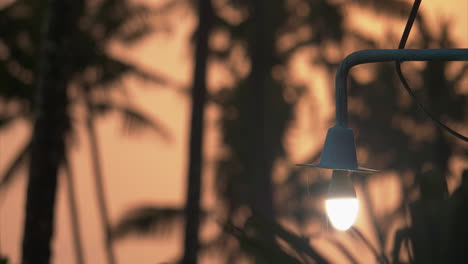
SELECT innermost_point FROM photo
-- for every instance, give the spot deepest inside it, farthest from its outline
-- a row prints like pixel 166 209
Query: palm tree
pixel 51 126
pixel 262 54
pixel 90 55
pixel 256 113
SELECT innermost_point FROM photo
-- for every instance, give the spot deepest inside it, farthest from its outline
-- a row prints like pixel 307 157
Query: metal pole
pixel 384 55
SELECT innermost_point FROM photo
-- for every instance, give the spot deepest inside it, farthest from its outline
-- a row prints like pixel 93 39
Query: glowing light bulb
pixel 341 204
pixel 342 212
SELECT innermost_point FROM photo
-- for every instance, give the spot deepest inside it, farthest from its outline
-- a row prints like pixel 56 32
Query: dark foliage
pixel 256 115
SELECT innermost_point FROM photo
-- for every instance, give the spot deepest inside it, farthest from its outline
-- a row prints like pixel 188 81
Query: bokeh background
pixel 142 124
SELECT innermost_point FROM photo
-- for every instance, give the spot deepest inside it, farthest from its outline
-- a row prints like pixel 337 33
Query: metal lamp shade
pixel 339 152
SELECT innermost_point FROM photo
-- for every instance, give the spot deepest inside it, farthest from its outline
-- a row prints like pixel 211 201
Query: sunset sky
pixel 148 169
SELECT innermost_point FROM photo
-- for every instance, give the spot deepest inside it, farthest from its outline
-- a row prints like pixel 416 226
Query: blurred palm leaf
pixel 344 250
pixel 111 20
pixel 111 70
pixel 149 219
pixel 269 253
pixel 7 119
pixel 299 244
pixel 357 234
pixel 146 220
pixel 298 249
pixel 13 168
pixel 133 121
pixel 129 27
pixel 137 23
pixel 128 21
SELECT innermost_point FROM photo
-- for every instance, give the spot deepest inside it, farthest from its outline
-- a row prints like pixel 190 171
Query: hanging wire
pixel 404 38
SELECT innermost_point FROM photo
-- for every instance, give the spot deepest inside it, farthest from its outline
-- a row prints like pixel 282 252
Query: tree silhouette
pixel 50 128
pixel 194 175
pixel 85 53
pixel 257 110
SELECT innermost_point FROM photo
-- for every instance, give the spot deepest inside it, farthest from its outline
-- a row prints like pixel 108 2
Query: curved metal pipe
pixel 383 55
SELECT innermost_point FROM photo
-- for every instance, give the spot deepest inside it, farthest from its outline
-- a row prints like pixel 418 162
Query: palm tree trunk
pixel 98 180
pixel 192 210
pixel 50 128
pixel 261 49
pixel 74 216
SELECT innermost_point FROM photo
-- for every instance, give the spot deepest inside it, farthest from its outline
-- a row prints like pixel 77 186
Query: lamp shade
pixel 339 151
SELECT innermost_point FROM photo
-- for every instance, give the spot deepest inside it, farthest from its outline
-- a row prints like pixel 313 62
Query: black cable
pixel 409 24
pixel 404 38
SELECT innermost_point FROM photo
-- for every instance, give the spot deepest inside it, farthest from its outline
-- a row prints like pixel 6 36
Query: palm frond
pixel 147 220
pixel 111 16
pixel 121 19
pixel 135 31
pixel 112 70
pixel 137 24
pixel 298 246
pixel 12 170
pixel 298 243
pixel 268 252
pixel 134 25
pixel 355 232
pixel 133 121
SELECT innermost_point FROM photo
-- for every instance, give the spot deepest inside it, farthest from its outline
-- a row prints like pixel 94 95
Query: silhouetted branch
pixel 74 215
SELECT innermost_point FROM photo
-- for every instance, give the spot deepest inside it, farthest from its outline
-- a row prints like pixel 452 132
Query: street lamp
pixel 339 151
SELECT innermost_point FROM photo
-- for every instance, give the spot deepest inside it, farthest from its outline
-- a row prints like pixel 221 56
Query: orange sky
pixel 145 169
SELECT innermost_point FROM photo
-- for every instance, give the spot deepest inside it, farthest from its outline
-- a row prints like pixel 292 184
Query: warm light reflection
pixel 342 212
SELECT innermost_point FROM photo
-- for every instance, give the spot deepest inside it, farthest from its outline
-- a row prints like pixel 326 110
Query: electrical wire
pixel 404 38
